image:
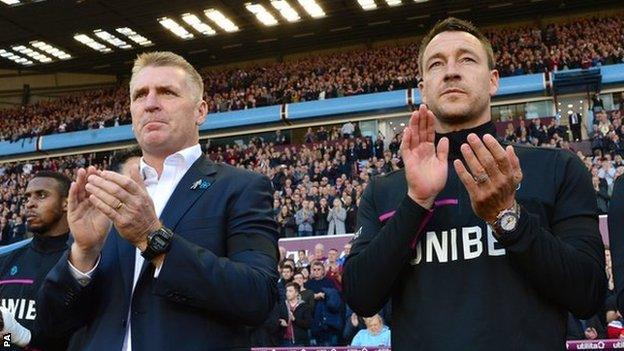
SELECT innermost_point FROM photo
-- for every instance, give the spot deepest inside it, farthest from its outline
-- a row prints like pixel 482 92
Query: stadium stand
pixel 581 43
pixel 320 170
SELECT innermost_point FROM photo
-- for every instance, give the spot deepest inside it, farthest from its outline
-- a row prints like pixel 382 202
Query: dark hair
pixel 294 285
pixel 452 24
pixel 318 263
pixel 121 157
pixel 62 180
pixel 288 266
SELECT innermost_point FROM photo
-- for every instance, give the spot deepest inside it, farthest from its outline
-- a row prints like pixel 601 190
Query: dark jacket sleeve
pixel 196 277
pixel 616 239
pixel 565 264
pixel 380 252
pixel 303 316
pixel 63 305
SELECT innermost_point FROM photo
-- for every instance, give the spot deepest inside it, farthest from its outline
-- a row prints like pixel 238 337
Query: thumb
pixel 135 175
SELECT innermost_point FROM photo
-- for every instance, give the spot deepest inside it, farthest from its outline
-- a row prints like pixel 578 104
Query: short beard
pixel 472 113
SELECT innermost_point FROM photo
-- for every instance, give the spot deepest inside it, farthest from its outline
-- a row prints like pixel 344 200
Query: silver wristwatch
pixel 507 220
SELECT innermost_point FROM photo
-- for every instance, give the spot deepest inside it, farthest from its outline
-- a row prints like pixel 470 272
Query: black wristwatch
pixel 158 242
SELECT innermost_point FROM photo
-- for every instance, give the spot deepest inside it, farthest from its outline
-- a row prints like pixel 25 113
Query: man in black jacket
pixel 616 239
pixel 23 270
pixel 496 248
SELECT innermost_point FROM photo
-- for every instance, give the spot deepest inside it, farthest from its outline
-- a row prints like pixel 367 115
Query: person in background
pixel 299 318
pixel 24 268
pixel 376 334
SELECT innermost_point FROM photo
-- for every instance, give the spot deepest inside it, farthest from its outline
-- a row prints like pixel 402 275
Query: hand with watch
pixel 158 243
pixel 492 182
pixel 507 220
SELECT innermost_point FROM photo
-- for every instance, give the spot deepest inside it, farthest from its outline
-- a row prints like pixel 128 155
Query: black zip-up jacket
pixel 461 288
pixel 22 272
pixel 616 239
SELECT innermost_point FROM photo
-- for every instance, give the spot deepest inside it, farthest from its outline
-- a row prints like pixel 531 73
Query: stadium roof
pixel 104 36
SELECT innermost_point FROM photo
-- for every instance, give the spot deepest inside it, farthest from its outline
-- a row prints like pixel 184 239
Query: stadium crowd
pixel 318 182
pixel 579 43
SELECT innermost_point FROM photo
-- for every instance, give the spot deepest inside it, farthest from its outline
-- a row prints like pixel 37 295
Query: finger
pixel 104 208
pixel 107 198
pixel 483 155
pixel 80 183
pixel 499 154
pixel 122 181
pixel 465 177
pixel 72 199
pixel 514 163
pixel 109 187
pixel 422 123
pixel 443 149
pixel 406 140
pixel 413 122
pixel 430 127
pixel 476 169
pixel 135 175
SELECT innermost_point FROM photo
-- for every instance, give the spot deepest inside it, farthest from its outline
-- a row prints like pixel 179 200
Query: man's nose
pixel 152 102
pixel 452 71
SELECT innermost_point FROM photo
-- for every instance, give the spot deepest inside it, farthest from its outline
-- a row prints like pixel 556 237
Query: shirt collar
pixel 182 159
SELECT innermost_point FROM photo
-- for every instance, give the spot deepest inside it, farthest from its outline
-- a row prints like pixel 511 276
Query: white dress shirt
pixel 160 190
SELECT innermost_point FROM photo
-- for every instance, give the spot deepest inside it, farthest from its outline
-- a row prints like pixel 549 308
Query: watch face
pixel 508 222
pixel 158 242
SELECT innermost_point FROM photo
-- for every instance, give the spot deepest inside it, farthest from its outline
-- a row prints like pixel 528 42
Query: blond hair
pixel 168 58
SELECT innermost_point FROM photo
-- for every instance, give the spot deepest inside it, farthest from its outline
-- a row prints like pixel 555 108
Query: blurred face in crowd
pixel 319 251
pixel 332 256
pixel 347 249
pixel 374 324
pixel 301 254
pixel 287 272
pixel 318 271
pixel 46 208
pixel 299 279
pixel 165 110
pixel 306 273
pixel 456 81
pixel 291 293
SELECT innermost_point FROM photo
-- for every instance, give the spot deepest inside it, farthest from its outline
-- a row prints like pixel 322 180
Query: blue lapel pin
pixel 201 184
pixel 204 184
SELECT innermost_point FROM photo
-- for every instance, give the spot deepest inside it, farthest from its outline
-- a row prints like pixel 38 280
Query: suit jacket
pixel 219 276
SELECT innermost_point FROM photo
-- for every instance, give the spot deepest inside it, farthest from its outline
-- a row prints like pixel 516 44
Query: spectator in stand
pixel 286 276
pixel 321 223
pixel 333 269
pixel 299 318
pixel 306 295
pixel 319 253
pixel 336 218
pixel 305 220
pixel 376 334
pixel 302 259
pixel 347 130
pixel 286 223
pixel 351 214
pixel 327 325
pixel 344 254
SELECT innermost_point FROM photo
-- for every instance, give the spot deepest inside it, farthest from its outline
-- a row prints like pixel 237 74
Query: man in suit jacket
pixel 191 238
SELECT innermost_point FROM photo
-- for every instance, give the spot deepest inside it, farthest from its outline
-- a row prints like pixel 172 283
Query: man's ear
pixel 494 82
pixel 201 111
pixel 421 87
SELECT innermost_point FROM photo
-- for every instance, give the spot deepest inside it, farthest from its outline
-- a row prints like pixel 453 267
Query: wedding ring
pixel 119 205
pixel 481 178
